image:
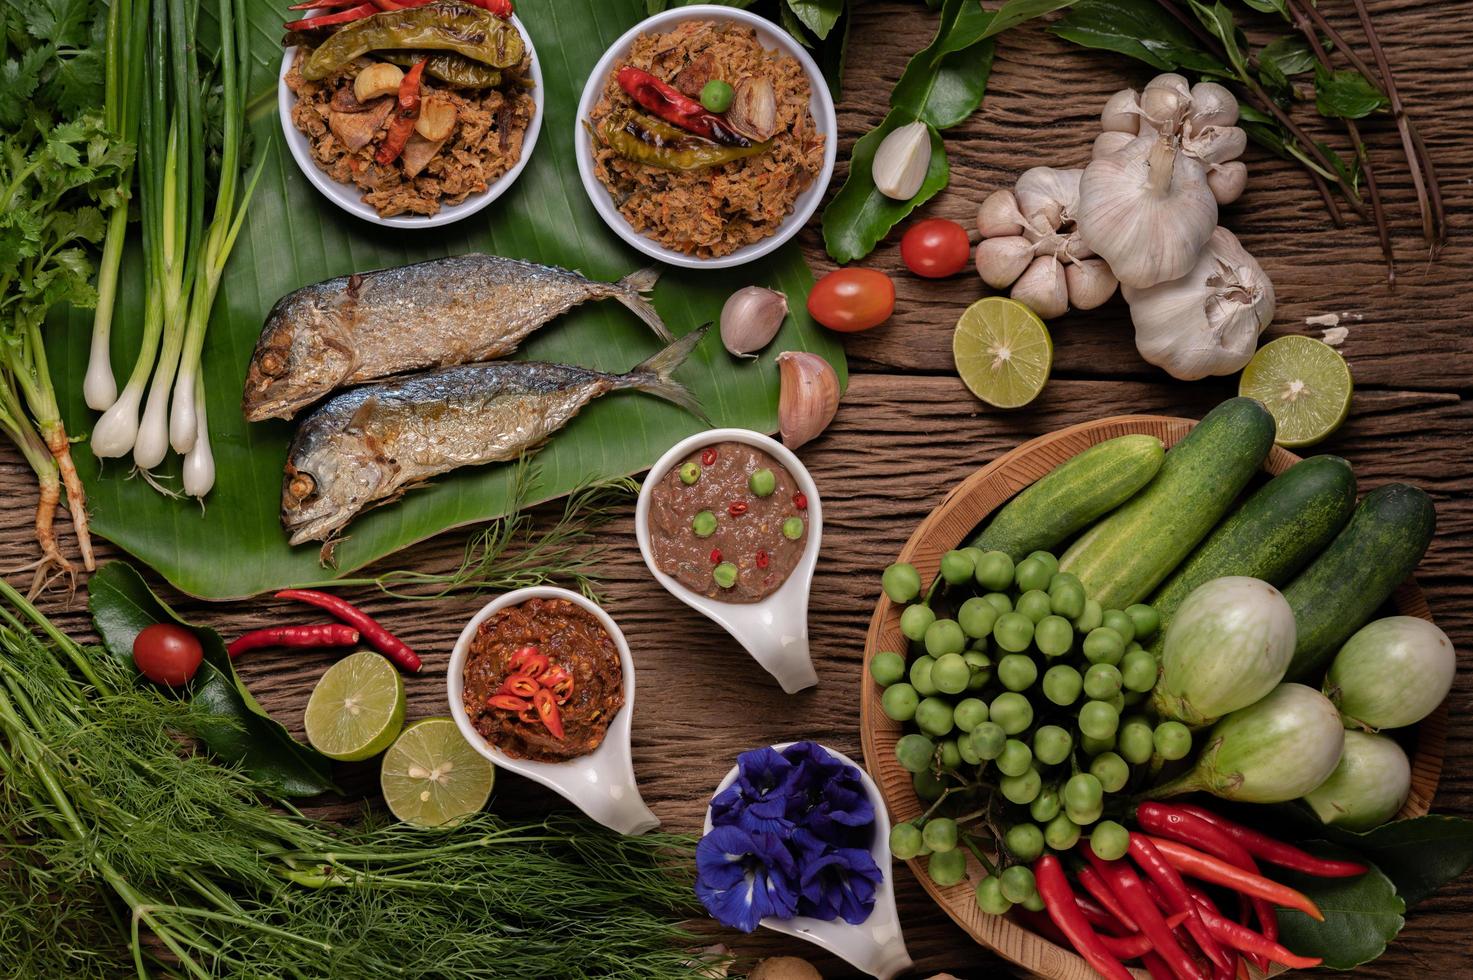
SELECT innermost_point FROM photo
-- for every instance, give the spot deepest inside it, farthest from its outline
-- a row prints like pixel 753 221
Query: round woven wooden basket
pixel 944 529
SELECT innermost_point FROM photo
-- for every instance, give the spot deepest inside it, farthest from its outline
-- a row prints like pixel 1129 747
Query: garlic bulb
pixel 1146 210
pixel 1046 197
pixel 751 318
pixel 1213 105
pixel 900 164
pixel 1090 283
pixel 1227 181
pixel 808 396
pixel 1110 142
pixel 1000 261
pixel 1043 288
pixel 1208 321
pixel 753 110
pixel 999 215
pixel 1121 113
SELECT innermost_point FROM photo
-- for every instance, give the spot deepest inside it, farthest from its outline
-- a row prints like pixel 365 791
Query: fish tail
pixel 630 291
pixel 653 375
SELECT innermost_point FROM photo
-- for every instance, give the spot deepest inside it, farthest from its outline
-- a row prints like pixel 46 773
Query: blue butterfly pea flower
pixel 840 884
pixel 742 877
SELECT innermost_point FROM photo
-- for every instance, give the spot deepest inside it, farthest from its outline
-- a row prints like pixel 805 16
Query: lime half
pixel 1305 385
pixel 357 709
pixel 431 777
pixel 1002 352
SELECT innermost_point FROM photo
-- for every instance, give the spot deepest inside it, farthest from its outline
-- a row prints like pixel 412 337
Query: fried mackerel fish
pixel 366 447
pixel 372 325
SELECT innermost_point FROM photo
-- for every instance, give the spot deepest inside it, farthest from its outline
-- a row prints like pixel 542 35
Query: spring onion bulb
pixel 199 462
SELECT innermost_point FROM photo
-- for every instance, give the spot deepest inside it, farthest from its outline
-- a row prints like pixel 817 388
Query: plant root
pixel 76 496
pixel 52 564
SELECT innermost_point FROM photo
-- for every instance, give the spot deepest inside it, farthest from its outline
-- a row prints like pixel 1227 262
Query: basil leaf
pixel 1289 54
pixel 1362 914
pixel 819 16
pixel 1138 29
pixel 1269 6
pixel 1218 20
pixel 1420 855
pixel 122 604
pixel 793 25
pixel 1346 94
pixel 1014 12
pixel 941 86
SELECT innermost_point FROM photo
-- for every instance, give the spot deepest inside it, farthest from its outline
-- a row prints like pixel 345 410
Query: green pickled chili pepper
pixel 454 70
pixel 645 139
pixel 446 26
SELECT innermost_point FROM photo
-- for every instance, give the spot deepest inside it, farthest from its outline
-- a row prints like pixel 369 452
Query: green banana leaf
pixel 235 547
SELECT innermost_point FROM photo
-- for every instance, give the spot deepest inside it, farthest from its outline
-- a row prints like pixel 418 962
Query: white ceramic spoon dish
pixel 600 783
pixel 876 945
pixel 775 630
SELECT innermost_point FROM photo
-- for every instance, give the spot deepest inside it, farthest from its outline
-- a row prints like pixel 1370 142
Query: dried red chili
pixel 715 556
pixel 762 559
pixel 800 500
pixel 406 114
pixel 709 456
pixel 547 710
pixel 737 509
pixel 677 108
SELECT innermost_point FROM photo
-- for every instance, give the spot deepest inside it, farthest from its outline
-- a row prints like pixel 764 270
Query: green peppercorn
pixel 793 528
pixel 716 95
pixel 725 574
pixel 703 524
pixel 690 473
pixel 762 482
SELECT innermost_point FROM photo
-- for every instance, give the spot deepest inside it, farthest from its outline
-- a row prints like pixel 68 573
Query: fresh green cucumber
pixel 1274 534
pixel 1126 555
pixel 1343 587
pixel 1072 496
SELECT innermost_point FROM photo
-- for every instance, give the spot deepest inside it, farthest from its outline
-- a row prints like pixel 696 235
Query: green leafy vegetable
pixel 1346 94
pixel 1137 29
pixel 819 16
pixel 1362 914
pixel 1014 12
pixel 1420 855
pixel 1288 54
pixel 230 721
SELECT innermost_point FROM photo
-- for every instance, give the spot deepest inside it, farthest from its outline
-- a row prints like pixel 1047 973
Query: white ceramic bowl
pixel 600 783
pixel 821 106
pixel 349 197
pixel 775 630
pixel 876 945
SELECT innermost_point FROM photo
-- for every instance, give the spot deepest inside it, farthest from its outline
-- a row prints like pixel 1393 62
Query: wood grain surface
pixel 908 431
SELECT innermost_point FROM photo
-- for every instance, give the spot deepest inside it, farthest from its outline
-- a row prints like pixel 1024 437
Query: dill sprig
pixel 127 853
pixel 510 553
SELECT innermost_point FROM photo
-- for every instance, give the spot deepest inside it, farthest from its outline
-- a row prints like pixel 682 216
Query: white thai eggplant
pixel 1227 646
pixel 1368 787
pixel 1393 672
pixel 1275 750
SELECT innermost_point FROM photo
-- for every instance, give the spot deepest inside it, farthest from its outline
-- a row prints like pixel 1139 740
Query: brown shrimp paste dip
pixel 760 536
pixel 571 639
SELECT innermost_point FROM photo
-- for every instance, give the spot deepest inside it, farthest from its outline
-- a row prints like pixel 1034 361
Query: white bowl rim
pixel 348 196
pixel 802 574
pixel 619 726
pixel 825 119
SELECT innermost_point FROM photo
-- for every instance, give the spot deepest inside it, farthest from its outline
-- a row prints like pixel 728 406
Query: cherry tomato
pixel 935 248
pixel 167 654
pixel 850 300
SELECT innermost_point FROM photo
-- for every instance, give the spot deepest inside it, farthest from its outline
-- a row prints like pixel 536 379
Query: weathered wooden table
pixel 908 430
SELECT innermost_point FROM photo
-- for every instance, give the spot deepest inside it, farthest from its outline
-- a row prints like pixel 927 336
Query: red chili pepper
pixel 675 107
pixel 800 500
pixel 715 556
pixel 527 660
pixel 1099 918
pixel 508 702
pixel 1156 967
pixel 1131 893
pixel 1182 823
pixel 1096 886
pixel 374 634
pixel 405 116
pixel 308 635
pixel 762 560
pixel 1176 898
pixel 519 685
pixel 709 456
pixel 528 715
pixel 1058 899
pixel 387 5
pixel 331 20
pixel 1266 848
pixel 1242 938
pixel 1218 872
pixel 547 710
pixel 737 509
pixel 558 681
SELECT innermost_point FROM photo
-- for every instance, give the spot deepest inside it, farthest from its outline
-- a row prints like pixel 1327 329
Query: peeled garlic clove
pixel 808 396
pixel 1090 283
pixel 1212 105
pixel 1002 260
pixel 1047 197
pixel 901 162
pixel 999 216
pixel 1208 321
pixel 1043 288
pixel 751 318
pixel 753 109
pixel 1110 142
pixel 1227 181
pixel 1122 113
pixel 1146 210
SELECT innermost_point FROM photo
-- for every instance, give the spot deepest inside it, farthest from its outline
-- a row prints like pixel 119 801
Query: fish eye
pixel 272 364
pixel 301 486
